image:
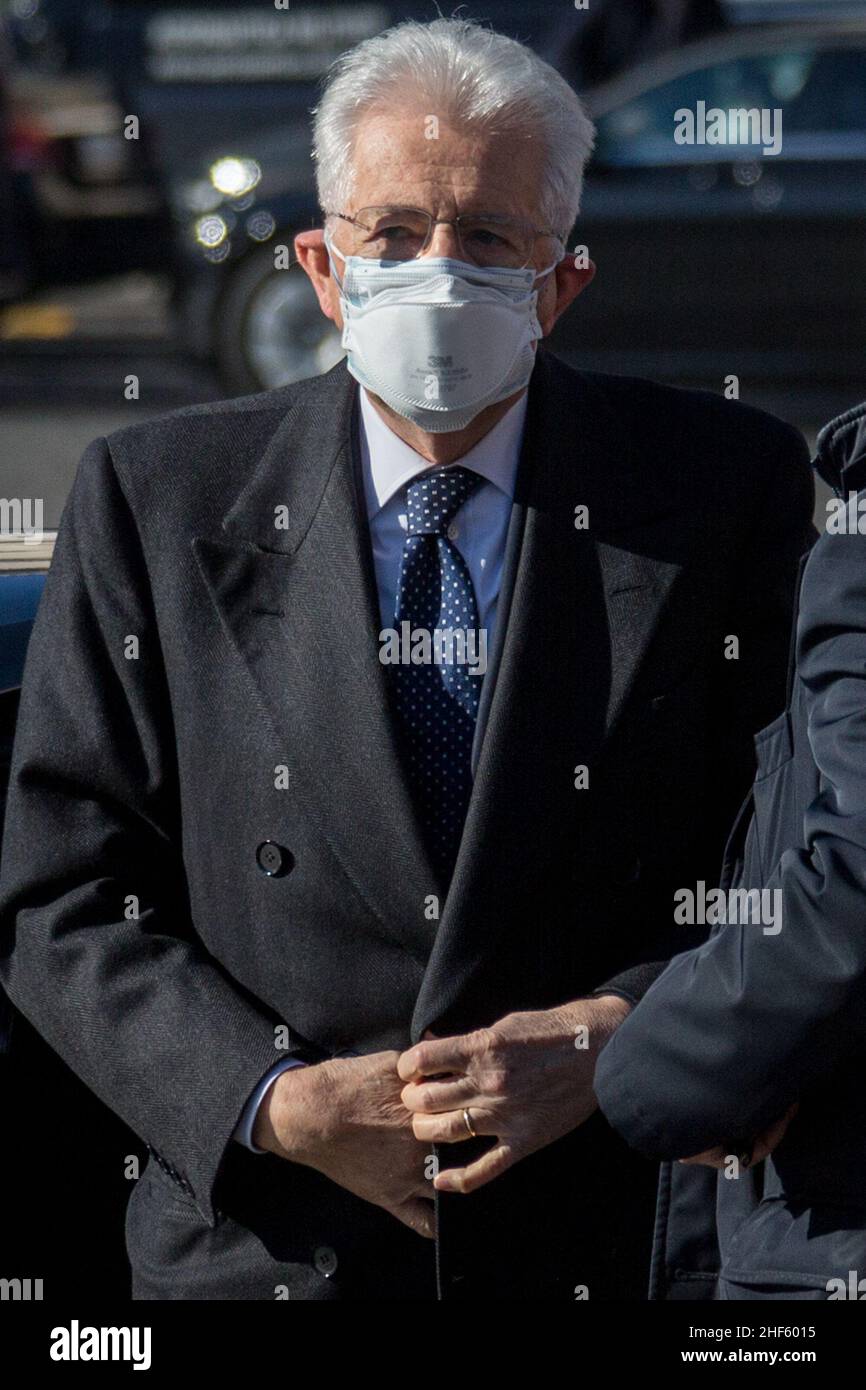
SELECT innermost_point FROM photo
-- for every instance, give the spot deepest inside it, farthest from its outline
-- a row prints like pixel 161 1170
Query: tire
pixel 269 329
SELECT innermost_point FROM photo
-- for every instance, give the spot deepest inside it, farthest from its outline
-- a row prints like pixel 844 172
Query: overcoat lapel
pixel 584 606
pixel 300 606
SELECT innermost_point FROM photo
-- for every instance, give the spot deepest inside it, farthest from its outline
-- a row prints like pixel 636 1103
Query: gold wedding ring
pixel 468 1123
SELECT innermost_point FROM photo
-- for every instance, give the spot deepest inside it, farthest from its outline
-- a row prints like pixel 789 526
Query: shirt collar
pixel 388 462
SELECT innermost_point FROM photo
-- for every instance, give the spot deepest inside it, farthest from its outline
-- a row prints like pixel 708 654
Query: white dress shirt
pixel 479 532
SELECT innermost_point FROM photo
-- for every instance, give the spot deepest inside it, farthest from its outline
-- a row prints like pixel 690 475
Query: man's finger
pixel 418 1214
pixel 768 1141
pixel 435 1056
pixel 450 1128
pixel 764 1144
pixel 434 1097
pixel 711 1158
pixel 490 1165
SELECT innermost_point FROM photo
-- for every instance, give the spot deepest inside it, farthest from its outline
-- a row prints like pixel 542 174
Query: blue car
pixel 22 575
pixel 20 591
pixel 19 599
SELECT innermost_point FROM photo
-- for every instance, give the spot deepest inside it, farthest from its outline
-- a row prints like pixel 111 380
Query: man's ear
pixel 312 256
pixel 568 280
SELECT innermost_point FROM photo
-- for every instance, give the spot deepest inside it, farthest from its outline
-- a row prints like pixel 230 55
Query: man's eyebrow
pixel 462 211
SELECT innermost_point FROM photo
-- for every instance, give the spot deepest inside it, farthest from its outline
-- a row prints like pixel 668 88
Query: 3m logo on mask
pixel 442 377
pixel 431 383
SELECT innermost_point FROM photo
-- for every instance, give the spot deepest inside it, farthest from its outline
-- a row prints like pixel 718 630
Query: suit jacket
pixel 209 619
pixel 753 1020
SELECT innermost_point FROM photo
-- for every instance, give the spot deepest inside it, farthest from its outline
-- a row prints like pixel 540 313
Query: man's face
pixel 396 163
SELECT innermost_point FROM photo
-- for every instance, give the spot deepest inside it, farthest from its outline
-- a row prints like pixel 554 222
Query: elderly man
pixel 371 722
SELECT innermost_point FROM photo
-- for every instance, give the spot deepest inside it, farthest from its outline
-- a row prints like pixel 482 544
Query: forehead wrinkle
pixel 395 165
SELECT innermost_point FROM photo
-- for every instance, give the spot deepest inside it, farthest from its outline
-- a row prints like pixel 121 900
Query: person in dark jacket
pixel 747 1054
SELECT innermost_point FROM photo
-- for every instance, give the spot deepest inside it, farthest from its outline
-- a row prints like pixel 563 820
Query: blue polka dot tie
pixel 437 702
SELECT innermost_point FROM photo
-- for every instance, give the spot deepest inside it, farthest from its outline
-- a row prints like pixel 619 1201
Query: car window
pixel 834 97
pixel 821 93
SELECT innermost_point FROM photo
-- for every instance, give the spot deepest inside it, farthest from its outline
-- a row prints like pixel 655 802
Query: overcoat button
pixel 272 859
pixel 325 1260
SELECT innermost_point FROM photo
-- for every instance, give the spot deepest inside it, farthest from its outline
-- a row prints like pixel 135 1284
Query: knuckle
pixel 424 1098
pixel 487 1042
pixel 496 1080
pixel 419 1056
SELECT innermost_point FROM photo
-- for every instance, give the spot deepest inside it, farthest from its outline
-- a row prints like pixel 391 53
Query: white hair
pixel 468 75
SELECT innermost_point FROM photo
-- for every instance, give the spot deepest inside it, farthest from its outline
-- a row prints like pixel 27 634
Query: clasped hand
pixel 368 1122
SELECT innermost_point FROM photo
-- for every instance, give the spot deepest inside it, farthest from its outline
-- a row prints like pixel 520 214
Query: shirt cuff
pixel 633 983
pixel 243 1132
pixel 615 989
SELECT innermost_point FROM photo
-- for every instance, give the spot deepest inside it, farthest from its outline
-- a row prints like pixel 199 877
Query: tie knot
pixel 435 498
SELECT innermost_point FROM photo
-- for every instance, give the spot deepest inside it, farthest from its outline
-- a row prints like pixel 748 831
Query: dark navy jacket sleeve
pixel 732 1032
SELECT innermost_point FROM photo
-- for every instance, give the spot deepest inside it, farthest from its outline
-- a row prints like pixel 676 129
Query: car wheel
pixel 270 330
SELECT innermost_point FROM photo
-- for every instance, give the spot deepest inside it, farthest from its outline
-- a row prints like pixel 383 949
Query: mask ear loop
pixel 332 251
pixel 542 274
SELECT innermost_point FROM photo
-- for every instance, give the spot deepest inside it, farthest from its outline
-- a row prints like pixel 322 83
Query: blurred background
pixel 155 153
pixel 145 246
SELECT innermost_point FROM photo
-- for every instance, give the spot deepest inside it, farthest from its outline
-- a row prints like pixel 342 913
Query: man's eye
pixel 395 233
pixel 483 236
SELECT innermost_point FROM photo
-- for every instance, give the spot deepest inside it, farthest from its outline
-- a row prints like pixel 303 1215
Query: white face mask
pixel 438 339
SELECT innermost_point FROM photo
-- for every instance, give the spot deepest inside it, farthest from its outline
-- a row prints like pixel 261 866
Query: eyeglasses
pixel 403 234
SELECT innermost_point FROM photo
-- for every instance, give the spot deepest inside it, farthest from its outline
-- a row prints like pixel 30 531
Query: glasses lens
pixel 401 234
pixel 496 241
pixel 388 234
